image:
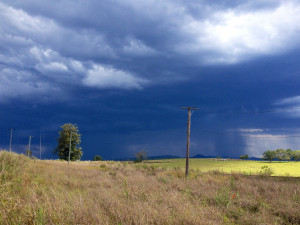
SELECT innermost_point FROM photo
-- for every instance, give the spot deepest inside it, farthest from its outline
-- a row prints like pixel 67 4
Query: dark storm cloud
pixel 118 45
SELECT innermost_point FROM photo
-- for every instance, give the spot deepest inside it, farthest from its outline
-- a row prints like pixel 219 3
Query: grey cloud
pixel 168 27
pixel 34 60
pixel 63 41
pixel 18 84
pixel 295 100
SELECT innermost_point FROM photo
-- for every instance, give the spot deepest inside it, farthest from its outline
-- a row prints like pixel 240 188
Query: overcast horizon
pixel 121 70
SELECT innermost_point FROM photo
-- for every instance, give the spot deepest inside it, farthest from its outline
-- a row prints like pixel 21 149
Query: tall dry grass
pixel 53 192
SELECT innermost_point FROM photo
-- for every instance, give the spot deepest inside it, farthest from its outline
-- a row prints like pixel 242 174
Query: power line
pixel 252 112
pixel 249 135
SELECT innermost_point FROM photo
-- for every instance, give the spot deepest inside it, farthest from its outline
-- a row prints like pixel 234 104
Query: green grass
pixel 238 166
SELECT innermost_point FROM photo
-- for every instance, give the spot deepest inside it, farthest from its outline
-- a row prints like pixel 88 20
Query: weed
pixel 40 217
pixel 113 173
pixel 144 166
pixel 235 213
pixel 162 179
pixel 232 183
pixel 188 192
pixel 103 167
pixel 222 198
pixel 126 189
pixel 216 172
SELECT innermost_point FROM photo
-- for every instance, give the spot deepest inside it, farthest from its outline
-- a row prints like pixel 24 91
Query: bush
pixel 222 198
pixel 244 157
pixel 266 171
pixel 97 158
pixel 140 156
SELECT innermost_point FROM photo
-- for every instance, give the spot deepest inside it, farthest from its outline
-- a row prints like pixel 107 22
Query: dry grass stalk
pixel 51 192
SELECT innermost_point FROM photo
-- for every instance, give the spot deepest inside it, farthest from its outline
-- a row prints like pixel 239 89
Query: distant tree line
pixel 281 155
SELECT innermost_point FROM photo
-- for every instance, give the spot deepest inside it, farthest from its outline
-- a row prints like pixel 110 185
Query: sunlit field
pixel 121 193
pixel 250 167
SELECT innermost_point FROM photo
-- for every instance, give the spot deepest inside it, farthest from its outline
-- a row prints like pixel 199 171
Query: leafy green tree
pixel 269 155
pixel 140 156
pixel 97 158
pixel 281 154
pixel 244 157
pixel 63 142
pixel 289 153
pixel 296 155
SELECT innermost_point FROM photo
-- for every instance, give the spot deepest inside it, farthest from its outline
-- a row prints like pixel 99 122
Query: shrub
pixel 266 171
pixel 113 173
pixel 222 197
pixel 140 156
pixel 97 158
pixel 244 157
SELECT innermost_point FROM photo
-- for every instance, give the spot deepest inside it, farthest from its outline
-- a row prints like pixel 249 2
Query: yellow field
pixel 238 166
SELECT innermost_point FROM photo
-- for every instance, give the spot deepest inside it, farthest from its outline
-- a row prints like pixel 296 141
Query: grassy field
pixel 53 192
pixel 284 168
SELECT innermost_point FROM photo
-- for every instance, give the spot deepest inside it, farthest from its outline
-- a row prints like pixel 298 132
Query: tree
pixel 281 154
pixel 269 155
pixel 296 155
pixel 140 156
pixel 289 153
pixel 97 158
pixel 63 142
pixel 244 157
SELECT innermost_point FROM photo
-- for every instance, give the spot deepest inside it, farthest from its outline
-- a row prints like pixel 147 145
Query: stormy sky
pixel 121 70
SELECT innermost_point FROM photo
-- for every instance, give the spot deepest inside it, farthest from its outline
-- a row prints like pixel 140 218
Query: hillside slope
pixel 53 192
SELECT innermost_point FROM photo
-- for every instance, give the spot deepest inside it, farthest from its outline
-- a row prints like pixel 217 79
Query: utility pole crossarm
pixel 192 108
pixel 188 137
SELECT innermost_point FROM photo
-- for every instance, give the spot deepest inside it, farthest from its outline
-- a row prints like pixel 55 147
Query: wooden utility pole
pixel 40 145
pixel 70 146
pixel 11 134
pixel 188 138
pixel 28 151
